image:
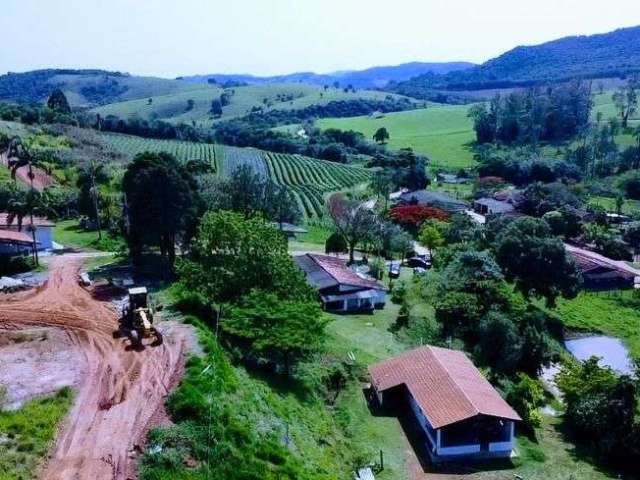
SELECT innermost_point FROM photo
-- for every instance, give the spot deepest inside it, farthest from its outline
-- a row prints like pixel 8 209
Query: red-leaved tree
pixel 413 216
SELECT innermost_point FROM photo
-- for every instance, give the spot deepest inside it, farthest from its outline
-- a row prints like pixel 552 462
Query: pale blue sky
pixel 181 37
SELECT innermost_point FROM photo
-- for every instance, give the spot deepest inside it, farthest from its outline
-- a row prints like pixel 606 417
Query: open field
pixel 309 179
pixel 611 313
pixel 288 96
pixel 27 434
pixel 443 133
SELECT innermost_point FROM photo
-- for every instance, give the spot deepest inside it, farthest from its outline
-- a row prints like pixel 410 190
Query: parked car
pixel 418 262
pixel 394 270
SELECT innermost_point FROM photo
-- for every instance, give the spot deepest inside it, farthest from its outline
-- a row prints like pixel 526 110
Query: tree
pixel 625 100
pixel 216 107
pixel 161 204
pixel 27 204
pixel 233 255
pixel 58 102
pixel 632 235
pixel 274 327
pixel 382 185
pixel 431 236
pixel 381 136
pixel 352 221
pixel 536 261
pixel 413 216
pixel 526 396
pixel 335 243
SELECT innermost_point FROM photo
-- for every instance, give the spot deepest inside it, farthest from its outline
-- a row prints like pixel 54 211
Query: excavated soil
pixel 121 392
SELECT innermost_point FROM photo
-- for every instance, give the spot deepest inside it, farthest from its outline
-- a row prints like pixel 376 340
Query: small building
pixel 602 273
pixel 451 178
pixel 461 415
pixel 489 206
pixel 430 198
pixel 13 242
pixel 288 229
pixel 44 229
pixel 341 289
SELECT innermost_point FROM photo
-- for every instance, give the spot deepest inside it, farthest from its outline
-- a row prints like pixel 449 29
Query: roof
pixel 137 290
pixel 433 198
pixel 288 227
pixel 444 383
pixel 13 236
pixel 496 206
pixel 324 271
pixel 37 221
pixel 588 260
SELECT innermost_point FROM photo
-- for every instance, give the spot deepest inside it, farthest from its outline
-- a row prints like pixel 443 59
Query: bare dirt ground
pixel 41 179
pixel 120 394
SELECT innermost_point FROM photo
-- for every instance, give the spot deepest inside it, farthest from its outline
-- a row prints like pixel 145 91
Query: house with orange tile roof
pixel 460 415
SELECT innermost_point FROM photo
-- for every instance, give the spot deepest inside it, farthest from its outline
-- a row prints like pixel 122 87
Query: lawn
pixel 609 204
pixel 27 434
pixel 611 313
pixel 443 133
pixel 69 234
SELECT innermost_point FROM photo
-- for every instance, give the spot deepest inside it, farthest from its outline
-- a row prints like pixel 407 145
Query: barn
pixel 460 414
pixel 602 273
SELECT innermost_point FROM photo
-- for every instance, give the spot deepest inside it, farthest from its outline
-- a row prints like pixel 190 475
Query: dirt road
pixel 121 393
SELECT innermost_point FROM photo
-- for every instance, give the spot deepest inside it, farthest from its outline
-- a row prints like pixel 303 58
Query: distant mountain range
pixel 614 54
pixel 374 77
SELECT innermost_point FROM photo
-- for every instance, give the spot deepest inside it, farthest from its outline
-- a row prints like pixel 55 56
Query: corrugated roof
pixel 13 236
pixel 444 383
pixel 496 206
pixel 435 199
pixel 37 221
pixel 337 269
pixel 588 260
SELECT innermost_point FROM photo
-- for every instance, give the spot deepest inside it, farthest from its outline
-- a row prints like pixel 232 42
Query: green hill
pixel 310 180
pixel 608 55
pixel 85 88
pixel 242 100
pixel 443 133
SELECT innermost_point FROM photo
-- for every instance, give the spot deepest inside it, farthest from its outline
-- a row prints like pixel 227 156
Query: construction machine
pixel 136 321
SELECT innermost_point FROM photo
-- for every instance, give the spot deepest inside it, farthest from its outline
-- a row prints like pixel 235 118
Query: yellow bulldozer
pixel 136 321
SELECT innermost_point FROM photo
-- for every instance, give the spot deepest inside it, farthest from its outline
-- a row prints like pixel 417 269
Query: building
pixel 340 288
pixel 13 242
pixel 461 415
pixel 44 229
pixel 602 273
pixel 430 198
pixel 489 206
pixel 450 178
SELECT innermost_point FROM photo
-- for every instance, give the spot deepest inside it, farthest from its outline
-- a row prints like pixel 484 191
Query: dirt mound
pixel 121 393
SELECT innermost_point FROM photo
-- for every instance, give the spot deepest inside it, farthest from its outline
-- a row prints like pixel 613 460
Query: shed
pixel 603 273
pixel 459 412
pixel 432 198
pixel 489 206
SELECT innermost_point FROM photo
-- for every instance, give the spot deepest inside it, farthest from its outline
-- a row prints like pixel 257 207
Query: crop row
pixel 184 151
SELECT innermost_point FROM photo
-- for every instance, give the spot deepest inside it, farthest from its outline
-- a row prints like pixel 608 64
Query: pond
pixel 612 351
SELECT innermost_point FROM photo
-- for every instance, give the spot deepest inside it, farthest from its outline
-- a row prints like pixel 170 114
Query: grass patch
pixel 27 434
pixel 69 234
pixel 609 204
pixel 443 133
pixel 611 313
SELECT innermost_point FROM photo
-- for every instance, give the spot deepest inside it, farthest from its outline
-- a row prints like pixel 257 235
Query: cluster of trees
pixel 151 129
pixel 601 411
pixel 396 170
pixel 34 114
pixel 549 114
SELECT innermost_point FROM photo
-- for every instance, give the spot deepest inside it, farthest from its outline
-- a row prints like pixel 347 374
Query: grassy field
pixel 69 234
pixel 287 96
pixel 609 204
pixel 443 133
pixel 612 313
pixel 27 434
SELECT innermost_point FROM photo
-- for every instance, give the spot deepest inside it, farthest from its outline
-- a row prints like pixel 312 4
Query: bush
pixel 526 395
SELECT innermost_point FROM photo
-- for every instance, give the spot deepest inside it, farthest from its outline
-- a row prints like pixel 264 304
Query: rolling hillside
pixel 85 88
pixel 443 133
pixel 289 96
pixel 607 55
pixel 309 179
pixel 373 77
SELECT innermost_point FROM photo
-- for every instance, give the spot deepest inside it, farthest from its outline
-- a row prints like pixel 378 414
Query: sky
pixel 169 38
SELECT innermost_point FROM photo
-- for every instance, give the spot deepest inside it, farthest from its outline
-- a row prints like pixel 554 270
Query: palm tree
pixel 25 204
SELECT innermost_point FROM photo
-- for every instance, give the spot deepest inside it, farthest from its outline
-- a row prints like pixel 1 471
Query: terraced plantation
pixel 309 179
pixel 131 146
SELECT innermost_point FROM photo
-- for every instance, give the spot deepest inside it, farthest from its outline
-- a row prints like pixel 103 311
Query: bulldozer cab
pixel 138 298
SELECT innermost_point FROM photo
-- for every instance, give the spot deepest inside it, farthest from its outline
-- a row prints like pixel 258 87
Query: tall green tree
pixel 58 102
pixel 381 136
pixel 352 220
pixel 162 204
pixel 625 100
pixel 232 256
pixel 277 328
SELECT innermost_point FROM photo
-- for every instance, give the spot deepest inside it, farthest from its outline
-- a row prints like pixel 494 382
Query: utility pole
pixel 94 194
